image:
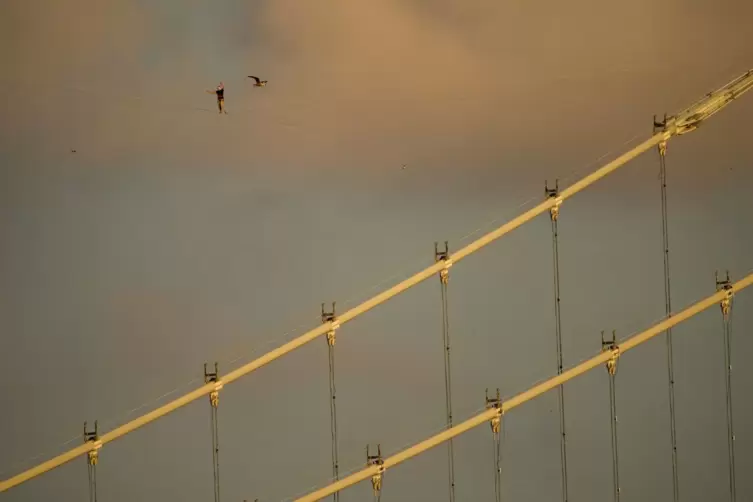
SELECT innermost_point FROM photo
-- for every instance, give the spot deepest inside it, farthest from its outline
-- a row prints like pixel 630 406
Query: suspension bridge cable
pixel 215 451
pixel 444 276
pixel 358 297
pixel 686 121
pixel 92 473
pixel 730 427
pixel 726 306
pixel 378 465
pixel 554 217
pixel 92 468
pixel 333 418
pixel 214 401
pixel 498 461
pixel 92 459
pixel 662 148
pixel 347 316
pixel 497 468
pixel 327 318
pixel 611 347
pixel 359 466
pixel 354 298
pixel 615 449
pixel 496 425
pixel 535 391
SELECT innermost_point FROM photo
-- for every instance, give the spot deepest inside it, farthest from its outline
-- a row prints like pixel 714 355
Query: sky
pixel 176 236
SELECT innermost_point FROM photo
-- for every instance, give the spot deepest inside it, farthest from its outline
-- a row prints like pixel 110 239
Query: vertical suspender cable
pixel 331 338
pixel 608 357
pixel 730 427
pixel 216 453
pixel 92 458
pixel 443 279
pixel 615 454
pixel 726 306
pixel 554 216
pixel 333 419
pixel 496 425
pixel 612 346
pixel 214 401
pixel 92 481
pixel 662 147
pixel 376 479
pixel 448 389
pixel 497 467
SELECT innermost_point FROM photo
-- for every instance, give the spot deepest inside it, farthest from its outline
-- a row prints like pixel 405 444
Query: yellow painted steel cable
pixel 529 394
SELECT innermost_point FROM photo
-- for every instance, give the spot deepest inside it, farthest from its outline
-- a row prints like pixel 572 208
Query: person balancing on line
pixel 220 92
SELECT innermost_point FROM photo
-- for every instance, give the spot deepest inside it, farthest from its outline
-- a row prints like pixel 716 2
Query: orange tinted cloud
pixel 351 81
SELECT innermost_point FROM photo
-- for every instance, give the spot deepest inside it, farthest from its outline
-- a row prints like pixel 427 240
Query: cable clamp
pixel 213 377
pixel 611 346
pixel 330 317
pixel 444 257
pixel 93 438
pixel 726 286
pixel 495 402
pixel 554 193
pixel 377 460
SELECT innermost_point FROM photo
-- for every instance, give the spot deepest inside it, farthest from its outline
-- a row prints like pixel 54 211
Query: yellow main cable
pixel 686 121
pixel 322 329
pixel 527 395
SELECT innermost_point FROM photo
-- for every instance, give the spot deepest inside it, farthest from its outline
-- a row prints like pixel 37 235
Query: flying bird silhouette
pixel 259 83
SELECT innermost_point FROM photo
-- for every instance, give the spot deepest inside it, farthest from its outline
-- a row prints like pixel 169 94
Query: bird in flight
pixel 259 83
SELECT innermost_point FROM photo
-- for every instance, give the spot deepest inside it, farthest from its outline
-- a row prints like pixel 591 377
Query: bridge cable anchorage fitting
pixel 611 346
pixel 554 193
pixel 93 438
pixel 213 377
pixel 494 402
pixel 330 317
pixel 726 286
pixel 376 479
pixel 443 256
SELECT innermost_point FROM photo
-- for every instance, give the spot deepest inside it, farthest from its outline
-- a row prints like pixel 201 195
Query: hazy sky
pixel 176 236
